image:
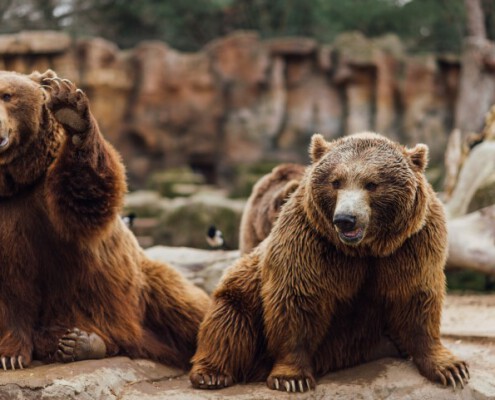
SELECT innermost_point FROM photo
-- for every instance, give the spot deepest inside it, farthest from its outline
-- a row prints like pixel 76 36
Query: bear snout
pixel 351 216
pixel 4 129
pixel 345 222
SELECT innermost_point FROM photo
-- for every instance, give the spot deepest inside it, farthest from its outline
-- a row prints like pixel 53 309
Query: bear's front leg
pixel 86 184
pixel 292 373
pixel 415 322
pixel 19 307
pixel 294 330
pixel 15 351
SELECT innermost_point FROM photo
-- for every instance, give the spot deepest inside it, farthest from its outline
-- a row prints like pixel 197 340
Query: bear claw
pixel 211 381
pixel 457 375
pixel 12 362
pixel 68 104
pixel 292 385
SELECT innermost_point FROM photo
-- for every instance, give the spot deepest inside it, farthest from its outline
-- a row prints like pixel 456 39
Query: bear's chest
pixel 27 239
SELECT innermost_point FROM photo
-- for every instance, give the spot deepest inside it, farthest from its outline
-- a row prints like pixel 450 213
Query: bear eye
pixel 6 97
pixel 336 184
pixel 370 186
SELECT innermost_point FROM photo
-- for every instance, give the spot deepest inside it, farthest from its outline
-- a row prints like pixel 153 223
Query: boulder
pixel 425 104
pixel 184 221
pixel 173 115
pixel 249 86
pixel 34 42
pixel 202 267
pixel 107 78
pixel 292 46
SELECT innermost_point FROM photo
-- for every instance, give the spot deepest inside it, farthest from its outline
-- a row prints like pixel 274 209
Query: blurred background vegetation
pixel 424 25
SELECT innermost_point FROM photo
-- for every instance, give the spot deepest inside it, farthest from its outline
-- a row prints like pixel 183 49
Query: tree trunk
pixel 472 241
pixel 477 83
pixel 475 19
pixel 477 169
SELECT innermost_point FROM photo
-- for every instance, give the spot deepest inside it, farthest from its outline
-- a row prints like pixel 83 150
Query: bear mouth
pixel 4 142
pixel 352 237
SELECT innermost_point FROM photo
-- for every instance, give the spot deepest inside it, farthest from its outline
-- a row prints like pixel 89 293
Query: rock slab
pixel 125 379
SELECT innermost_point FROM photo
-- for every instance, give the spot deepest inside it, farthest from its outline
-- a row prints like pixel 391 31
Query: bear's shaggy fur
pixel 263 206
pixel 74 282
pixel 357 252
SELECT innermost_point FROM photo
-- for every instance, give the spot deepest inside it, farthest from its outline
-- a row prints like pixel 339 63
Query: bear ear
pixel 37 77
pixel 318 147
pixel 418 156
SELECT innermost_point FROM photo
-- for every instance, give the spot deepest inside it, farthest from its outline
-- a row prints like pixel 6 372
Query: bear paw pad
pixel 77 345
pixel 68 103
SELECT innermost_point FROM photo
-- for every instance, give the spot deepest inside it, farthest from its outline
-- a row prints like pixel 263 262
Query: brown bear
pixel 263 205
pixel 75 283
pixel 357 253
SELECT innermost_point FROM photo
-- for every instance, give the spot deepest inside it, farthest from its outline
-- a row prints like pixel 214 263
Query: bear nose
pixel 345 222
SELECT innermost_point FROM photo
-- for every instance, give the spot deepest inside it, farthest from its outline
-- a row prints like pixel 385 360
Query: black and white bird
pixel 129 220
pixel 214 238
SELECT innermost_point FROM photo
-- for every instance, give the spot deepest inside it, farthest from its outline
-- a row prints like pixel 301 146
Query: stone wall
pixel 242 99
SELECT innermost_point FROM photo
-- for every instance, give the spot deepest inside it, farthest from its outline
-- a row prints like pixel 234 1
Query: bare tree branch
pixel 472 241
pixel 475 19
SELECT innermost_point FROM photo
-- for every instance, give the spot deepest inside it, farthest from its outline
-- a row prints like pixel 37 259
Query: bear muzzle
pixel 4 140
pixel 347 229
pixel 351 216
pixel 5 130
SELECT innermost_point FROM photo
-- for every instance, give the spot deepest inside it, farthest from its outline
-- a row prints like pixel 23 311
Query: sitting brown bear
pixel 75 283
pixel 263 206
pixel 357 252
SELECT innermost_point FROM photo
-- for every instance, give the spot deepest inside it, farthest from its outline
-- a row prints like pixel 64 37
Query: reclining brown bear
pixel 74 282
pixel 263 205
pixel 357 253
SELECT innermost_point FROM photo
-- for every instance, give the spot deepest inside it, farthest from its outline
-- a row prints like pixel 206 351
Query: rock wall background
pixel 242 100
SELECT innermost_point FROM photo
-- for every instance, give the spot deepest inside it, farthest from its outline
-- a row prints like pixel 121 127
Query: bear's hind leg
pixel 77 345
pixel 57 343
pixel 174 311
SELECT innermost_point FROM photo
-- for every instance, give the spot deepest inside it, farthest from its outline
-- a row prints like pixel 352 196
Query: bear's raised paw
pixel 77 345
pixel 69 105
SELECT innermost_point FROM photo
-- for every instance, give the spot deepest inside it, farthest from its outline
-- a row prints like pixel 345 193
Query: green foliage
pixel 425 25
pixel 186 24
pixel 469 281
